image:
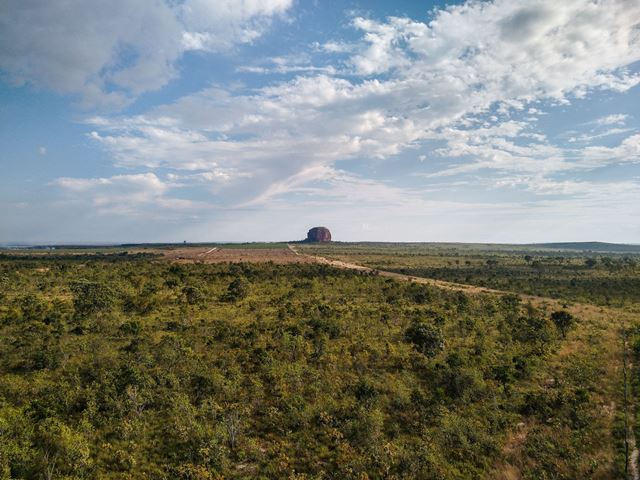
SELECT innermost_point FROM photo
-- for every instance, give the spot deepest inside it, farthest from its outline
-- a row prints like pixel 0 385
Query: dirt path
pixel 629 412
pixel 422 280
pixel 573 307
pixel 633 458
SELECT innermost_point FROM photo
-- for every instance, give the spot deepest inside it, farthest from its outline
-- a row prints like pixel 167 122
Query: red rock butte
pixel 318 234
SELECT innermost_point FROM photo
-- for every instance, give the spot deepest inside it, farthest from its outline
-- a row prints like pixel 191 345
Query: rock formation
pixel 319 234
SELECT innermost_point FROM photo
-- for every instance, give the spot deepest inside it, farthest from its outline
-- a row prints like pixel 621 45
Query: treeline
pixel 65 259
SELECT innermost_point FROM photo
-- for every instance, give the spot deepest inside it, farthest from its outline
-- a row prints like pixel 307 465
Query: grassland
pixel 138 366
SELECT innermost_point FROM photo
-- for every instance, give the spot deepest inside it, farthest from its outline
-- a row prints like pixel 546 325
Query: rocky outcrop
pixel 319 234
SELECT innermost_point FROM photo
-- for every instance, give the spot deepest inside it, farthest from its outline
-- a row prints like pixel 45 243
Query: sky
pixel 505 121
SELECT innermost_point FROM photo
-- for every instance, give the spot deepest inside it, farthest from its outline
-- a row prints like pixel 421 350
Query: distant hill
pixel 601 247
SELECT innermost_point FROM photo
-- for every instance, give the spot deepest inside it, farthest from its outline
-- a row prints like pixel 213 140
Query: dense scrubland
pixel 128 366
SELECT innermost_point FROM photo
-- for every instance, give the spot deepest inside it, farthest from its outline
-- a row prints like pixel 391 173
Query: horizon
pixel 37 245
pixel 499 122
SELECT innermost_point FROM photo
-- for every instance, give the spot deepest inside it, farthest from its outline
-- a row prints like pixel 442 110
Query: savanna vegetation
pixel 609 278
pixel 126 366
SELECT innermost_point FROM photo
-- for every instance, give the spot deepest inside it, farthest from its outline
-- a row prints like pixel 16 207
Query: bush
pixel 33 308
pixel 64 451
pixel 194 295
pixel 237 290
pixel 92 297
pixel 533 329
pixel 426 338
pixel 131 328
pixel 365 392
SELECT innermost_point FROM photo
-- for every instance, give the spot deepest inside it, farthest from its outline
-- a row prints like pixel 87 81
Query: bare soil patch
pixel 234 255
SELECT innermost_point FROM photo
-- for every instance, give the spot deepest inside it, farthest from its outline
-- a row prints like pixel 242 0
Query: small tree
pixel 65 452
pixel 533 329
pixel 365 392
pixel 426 338
pixel 194 295
pixel 237 290
pixel 563 321
pixel 233 426
pixel 91 297
pixel 33 307
pixel 591 262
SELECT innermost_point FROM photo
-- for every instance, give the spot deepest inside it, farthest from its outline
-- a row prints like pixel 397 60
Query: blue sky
pixel 253 120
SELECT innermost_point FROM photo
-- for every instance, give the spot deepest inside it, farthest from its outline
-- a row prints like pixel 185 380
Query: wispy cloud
pixel 296 64
pixel 613 119
pixel 130 195
pixel 590 137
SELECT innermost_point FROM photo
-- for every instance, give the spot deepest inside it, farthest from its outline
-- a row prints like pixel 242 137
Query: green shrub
pixel 92 297
pixel 426 338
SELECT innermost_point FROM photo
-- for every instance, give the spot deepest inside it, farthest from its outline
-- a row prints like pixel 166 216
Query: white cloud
pixel 217 25
pixel 260 140
pixel 42 151
pixel 287 64
pixel 511 50
pixel 584 190
pixel 110 52
pixel 628 151
pixel 131 195
pixel 335 47
pixel 384 49
pixel 613 119
pixel 590 137
pixel 148 183
pixel 505 147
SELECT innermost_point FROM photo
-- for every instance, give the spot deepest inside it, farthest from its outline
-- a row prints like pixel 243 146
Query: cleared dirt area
pixel 231 255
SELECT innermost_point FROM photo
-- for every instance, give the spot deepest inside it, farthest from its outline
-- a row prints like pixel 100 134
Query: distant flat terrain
pixel 590 246
pixel 233 255
pixel 595 247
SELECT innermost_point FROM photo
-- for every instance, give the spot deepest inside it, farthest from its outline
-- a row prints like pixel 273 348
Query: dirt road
pixel 400 276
